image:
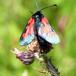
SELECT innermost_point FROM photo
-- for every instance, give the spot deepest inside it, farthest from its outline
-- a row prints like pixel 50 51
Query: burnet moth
pixel 39 36
pixel 38 26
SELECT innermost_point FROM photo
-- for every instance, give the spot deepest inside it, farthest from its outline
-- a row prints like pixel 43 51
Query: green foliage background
pixel 14 14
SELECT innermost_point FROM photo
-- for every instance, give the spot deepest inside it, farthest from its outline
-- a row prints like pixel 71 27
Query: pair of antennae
pixel 36 1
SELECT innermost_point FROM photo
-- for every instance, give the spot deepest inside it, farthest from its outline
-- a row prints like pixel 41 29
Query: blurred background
pixel 14 15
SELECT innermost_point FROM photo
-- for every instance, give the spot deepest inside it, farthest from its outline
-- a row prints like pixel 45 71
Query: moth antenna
pixel 48 7
pixel 36 1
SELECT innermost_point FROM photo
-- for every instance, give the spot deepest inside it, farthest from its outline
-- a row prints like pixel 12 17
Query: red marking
pixel 24 35
pixel 30 20
pixel 44 20
pixel 29 28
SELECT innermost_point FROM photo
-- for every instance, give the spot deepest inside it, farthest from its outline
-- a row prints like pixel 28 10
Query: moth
pixel 39 36
pixel 38 27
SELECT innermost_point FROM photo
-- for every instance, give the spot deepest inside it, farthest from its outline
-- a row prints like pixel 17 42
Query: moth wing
pixel 28 34
pixel 46 32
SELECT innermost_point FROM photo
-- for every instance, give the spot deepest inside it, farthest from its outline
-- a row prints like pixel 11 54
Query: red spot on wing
pixel 31 23
pixel 29 28
pixel 45 27
pixel 30 20
pixel 44 21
